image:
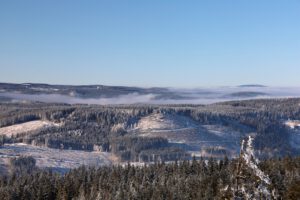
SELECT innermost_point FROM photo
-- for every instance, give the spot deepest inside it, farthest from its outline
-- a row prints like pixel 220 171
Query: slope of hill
pixel 205 140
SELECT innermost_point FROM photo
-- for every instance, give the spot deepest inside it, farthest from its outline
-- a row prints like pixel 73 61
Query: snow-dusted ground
pixel 25 127
pixel 182 131
pixel 293 124
pixel 159 121
pixel 247 153
pixel 251 161
pixel 54 158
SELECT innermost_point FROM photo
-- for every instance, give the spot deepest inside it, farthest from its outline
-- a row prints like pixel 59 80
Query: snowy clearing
pixel 55 158
pixel 159 122
pixel 9 131
pixel 184 132
pixel 293 123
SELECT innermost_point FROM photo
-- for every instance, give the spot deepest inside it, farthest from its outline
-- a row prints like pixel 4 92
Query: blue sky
pixel 151 43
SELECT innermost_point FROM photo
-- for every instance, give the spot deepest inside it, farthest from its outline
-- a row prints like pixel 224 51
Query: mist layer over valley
pixel 105 95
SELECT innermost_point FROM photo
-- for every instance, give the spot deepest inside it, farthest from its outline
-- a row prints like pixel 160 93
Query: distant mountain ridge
pixel 102 94
pixel 90 91
pixel 252 85
pixel 247 94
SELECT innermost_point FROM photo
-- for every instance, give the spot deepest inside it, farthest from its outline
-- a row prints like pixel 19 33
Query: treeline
pixel 15 113
pixel 143 149
pixel 179 180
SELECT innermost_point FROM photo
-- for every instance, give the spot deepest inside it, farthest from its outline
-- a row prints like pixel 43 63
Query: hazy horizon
pixel 156 86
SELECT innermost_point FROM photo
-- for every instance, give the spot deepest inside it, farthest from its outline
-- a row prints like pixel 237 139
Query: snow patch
pixel 292 123
pixel 26 127
pixel 55 158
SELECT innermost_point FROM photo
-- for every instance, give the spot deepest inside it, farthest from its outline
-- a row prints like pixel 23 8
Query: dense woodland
pixel 86 126
pixel 83 127
pixel 179 180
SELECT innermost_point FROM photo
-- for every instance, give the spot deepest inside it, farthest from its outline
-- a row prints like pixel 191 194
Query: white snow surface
pixel 293 123
pixel 251 161
pixel 55 158
pixel 9 131
pixel 183 131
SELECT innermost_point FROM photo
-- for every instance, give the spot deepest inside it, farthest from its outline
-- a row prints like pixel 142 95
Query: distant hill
pixel 82 91
pixel 247 94
pixel 104 95
pixel 252 85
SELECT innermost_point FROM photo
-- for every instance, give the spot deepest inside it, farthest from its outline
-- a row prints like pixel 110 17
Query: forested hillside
pixel 179 180
pixel 107 128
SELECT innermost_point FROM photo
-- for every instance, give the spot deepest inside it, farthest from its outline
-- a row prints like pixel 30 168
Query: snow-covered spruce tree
pixel 250 181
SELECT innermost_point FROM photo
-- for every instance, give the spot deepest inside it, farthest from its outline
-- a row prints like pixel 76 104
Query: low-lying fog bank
pixel 152 96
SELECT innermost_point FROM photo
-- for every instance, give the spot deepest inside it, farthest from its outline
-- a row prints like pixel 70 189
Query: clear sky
pixel 151 42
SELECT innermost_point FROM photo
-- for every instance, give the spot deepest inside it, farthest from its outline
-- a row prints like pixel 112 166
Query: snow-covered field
pixel 159 121
pixel 172 127
pixel 26 127
pixel 56 159
pixel 182 131
pixel 293 123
